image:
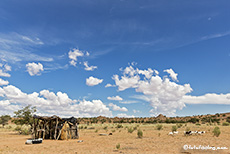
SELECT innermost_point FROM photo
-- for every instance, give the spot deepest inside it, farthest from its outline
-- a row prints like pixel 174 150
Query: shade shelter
pixel 54 127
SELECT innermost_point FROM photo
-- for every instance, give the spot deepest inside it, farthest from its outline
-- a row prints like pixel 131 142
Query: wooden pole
pixel 50 129
pixel 44 127
pixel 33 137
pixel 55 134
pixel 59 134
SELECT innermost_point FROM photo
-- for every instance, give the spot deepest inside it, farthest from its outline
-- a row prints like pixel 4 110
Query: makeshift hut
pixel 54 127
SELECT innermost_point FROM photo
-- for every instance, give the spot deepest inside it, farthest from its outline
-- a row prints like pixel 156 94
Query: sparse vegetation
pixel 118 146
pixel 139 133
pixel 225 124
pixel 174 128
pixel 179 125
pixel 4 120
pixel 119 126
pixel 159 127
pixel 130 130
pixel 216 131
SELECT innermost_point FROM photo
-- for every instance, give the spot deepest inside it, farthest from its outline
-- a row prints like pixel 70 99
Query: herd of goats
pixel 187 133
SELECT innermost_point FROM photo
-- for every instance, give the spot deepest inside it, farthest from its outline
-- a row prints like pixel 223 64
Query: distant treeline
pixel 217 118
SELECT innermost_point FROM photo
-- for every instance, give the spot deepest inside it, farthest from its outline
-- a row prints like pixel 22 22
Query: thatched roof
pixel 70 120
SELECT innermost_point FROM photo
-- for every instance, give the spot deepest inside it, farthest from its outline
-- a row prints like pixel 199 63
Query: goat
pixel 187 132
pixel 175 132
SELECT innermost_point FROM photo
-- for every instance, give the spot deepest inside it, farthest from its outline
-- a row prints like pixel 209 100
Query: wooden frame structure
pixel 54 127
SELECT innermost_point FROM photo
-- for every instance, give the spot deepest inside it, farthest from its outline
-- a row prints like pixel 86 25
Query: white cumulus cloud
pixel 210 98
pixel 3 82
pixel 50 103
pixel 74 54
pixel 115 98
pixel 124 115
pixel 4 68
pixel 118 108
pixel 109 85
pixel 89 68
pixel 92 81
pixel 172 74
pixel 164 96
pixel 34 69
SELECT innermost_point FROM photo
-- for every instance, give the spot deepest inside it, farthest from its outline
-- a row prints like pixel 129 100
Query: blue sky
pixel 115 58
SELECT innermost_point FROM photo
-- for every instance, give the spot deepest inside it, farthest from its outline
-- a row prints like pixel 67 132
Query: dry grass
pixel 150 143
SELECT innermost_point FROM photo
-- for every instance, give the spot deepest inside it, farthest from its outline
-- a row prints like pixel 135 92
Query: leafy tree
pixel 24 116
pixel 4 120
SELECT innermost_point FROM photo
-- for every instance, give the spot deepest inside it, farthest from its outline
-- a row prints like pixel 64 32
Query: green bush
pixel 159 127
pixel 18 128
pixel 4 120
pixel 174 128
pixel 25 132
pixel 21 130
pixel 225 124
pixel 179 125
pixel 139 133
pixel 118 146
pixel 216 131
pixel 130 130
pixel 119 126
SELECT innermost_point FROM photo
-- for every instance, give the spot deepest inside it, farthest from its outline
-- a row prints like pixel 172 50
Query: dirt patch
pixel 93 143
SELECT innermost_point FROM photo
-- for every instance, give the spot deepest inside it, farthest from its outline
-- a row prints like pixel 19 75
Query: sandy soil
pixel 153 142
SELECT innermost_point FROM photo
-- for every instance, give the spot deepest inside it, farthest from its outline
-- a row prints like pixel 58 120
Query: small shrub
pixel 130 130
pixel 187 129
pixel 139 133
pixel 119 126
pixel 9 127
pixel 18 128
pixel 198 124
pixel 179 125
pixel 159 134
pixel 25 132
pixel 96 130
pixel 105 128
pixel 174 128
pixel 113 130
pixel 225 124
pixel 118 146
pixel 159 127
pixel 21 130
pixel 135 128
pixel 216 131
pixel 85 127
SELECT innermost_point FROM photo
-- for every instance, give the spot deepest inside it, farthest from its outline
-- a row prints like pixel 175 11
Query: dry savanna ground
pixel 153 141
